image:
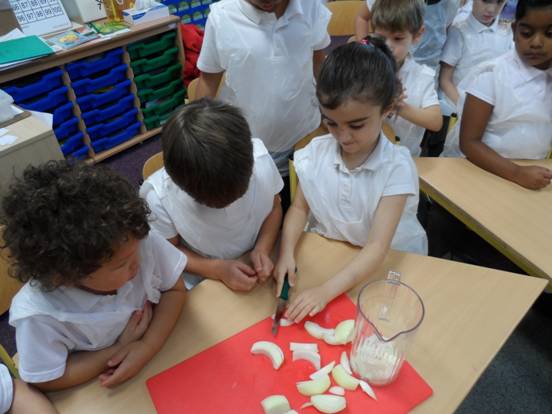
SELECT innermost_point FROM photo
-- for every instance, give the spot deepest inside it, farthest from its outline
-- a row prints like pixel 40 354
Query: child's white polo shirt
pixel 343 202
pixel 223 233
pixel 470 43
pixel 6 389
pixel 419 84
pixel 268 65
pixel 50 325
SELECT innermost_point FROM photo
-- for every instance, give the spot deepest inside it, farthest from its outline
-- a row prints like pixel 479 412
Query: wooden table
pixel 515 220
pixel 470 312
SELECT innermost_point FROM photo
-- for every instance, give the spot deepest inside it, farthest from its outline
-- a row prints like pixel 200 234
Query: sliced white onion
pixel 345 363
pixel 302 346
pixel 306 405
pixel 271 350
pixel 329 404
pixel 316 330
pixel 275 404
pixel 337 390
pixel 330 338
pixel 283 321
pixel 314 387
pixel 323 371
pixel 291 412
pixel 312 356
pixel 343 379
pixel 344 331
pixel 367 389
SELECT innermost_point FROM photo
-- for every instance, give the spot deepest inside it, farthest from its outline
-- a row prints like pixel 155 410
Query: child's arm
pixel 363 22
pixel 260 255
pixel 27 399
pixel 133 357
pixel 235 274
pixel 364 264
pixel 429 118
pixel 294 224
pixel 208 85
pixel 445 82
pixel 475 117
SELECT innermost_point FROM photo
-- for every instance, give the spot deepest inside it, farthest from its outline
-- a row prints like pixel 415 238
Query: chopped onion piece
pixel 330 339
pixel 343 379
pixel 323 371
pixel 275 404
pixel 314 387
pixel 329 404
pixel 291 412
pixel 302 346
pixel 271 350
pixel 345 363
pixel 337 390
pixel 316 330
pixel 312 356
pixel 367 389
pixel 344 331
pixel 306 405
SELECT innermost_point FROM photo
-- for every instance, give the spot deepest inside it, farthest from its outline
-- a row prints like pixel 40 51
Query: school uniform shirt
pixel 419 84
pixel 6 389
pixel 51 325
pixel 343 202
pixel 223 233
pixel 268 65
pixel 520 126
pixel 470 43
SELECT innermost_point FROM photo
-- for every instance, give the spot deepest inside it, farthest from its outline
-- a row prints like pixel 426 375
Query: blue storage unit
pixel 118 138
pixel 46 82
pixel 89 102
pixel 90 66
pixel 62 113
pixel 190 11
pixel 107 128
pixel 72 144
pixel 113 77
pixel 99 115
pixel 67 128
pixel 48 102
pixel 80 153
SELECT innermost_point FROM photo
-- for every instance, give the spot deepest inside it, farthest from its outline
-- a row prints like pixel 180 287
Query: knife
pixel 281 306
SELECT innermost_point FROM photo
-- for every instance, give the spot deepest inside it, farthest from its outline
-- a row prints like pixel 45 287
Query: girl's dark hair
pixel 523 6
pixel 63 221
pixel 365 72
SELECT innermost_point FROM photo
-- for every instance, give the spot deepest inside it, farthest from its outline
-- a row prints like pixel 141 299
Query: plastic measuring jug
pixel 388 314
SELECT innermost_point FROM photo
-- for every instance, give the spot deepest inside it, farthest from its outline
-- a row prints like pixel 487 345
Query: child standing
pixel 270 52
pixel 217 196
pixel 370 192
pixel 477 39
pixel 507 114
pixel 401 24
pixel 97 280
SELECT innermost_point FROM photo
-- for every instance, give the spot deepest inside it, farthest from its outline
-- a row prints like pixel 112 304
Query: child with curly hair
pixel 102 292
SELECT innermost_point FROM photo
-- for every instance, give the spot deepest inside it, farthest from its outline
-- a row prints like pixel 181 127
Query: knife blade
pixel 281 306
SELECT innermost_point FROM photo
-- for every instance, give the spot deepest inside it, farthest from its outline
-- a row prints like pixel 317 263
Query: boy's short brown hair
pixel 398 15
pixel 208 152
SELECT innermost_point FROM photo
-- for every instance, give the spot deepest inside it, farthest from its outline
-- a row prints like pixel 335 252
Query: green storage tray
pixel 165 107
pixel 154 121
pixel 147 65
pixel 147 95
pixel 147 80
pixel 148 48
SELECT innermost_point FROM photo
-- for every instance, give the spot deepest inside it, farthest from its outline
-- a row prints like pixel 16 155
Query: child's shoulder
pixel 316 146
pixel 418 69
pixel 259 148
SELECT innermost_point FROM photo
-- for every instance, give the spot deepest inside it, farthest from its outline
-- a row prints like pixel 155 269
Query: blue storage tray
pixel 92 101
pixel 72 143
pixel 48 102
pixel 105 129
pixel 67 129
pixel 90 66
pixel 114 76
pixel 100 115
pixel 80 153
pixel 122 136
pixel 50 80
pixel 63 113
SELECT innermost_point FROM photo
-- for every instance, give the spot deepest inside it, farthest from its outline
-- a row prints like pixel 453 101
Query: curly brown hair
pixel 63 220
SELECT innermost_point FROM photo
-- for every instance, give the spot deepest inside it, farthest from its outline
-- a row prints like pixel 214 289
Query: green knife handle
pixel 285 289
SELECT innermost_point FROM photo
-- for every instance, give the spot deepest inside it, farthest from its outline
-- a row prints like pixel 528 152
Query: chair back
pixel 344 13
pixel 152 164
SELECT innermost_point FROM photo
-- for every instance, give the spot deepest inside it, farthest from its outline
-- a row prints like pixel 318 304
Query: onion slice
pixel 323 371
pixel 271 350
pixel 337 390
pixel 367 389
pixel 329 404
pixel 303 346
pixel 312 357
pixel 275 404
pixel 344 331
pixel 343 379
pixel 314 387
pixel 316 330
pixel 345 363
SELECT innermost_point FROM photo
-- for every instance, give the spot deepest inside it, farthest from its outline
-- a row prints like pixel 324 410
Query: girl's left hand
pixel 125 364
pixel 309 302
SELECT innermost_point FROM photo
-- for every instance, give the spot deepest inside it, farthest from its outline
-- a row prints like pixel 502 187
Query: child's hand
pixel 285 264
pixel 136 325
pixel 309 302
pixel 262 263
pixel 126 364
pixel 237 275
pixel 533 177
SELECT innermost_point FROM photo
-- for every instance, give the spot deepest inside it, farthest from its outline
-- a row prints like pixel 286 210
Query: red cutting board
pixel 227 378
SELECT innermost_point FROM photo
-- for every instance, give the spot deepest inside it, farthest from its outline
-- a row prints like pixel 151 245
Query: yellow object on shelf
pixel 114 8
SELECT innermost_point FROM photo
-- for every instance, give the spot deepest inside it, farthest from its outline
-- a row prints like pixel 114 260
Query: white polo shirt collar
pixel 479 27
pixel 372 163
pixel 258 16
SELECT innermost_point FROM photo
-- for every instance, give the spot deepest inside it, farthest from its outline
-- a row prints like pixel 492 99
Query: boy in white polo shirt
pixel 269 52
pixel 217 196
pixel 473 41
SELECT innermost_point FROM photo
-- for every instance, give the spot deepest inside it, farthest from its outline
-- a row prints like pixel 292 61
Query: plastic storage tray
pixel 114 76
pixel 67 128
pixel 107 128
pixel 49 80
pixel 48 102
pixel 147 95
pixel 120 137
pixel 148 65
pixel 154 121
pixel 62 113
pixel 80 153
pixel 145 49
pixel 90 66
pixel 147 80
pixel 162 108
pixel 89 102
pixel 72 143
pixel 99 115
